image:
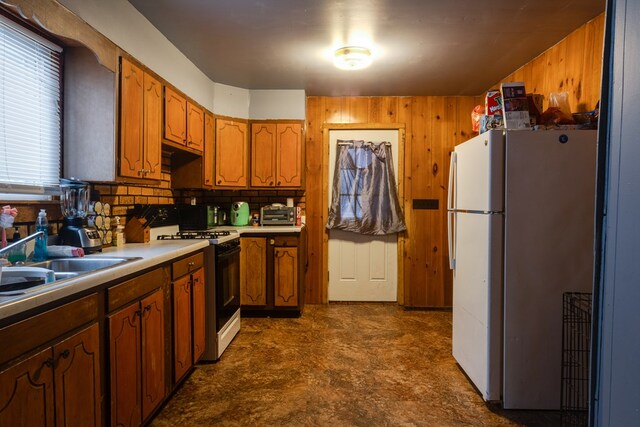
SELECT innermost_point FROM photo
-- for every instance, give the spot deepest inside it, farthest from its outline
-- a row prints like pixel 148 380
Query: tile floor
pixel 339 365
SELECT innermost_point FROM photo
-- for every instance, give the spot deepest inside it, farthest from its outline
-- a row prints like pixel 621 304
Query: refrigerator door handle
pixel 452 176
pixel 450 234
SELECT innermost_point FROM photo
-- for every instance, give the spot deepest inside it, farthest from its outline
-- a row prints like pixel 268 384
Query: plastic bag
pixel 477 112
pixel 560 100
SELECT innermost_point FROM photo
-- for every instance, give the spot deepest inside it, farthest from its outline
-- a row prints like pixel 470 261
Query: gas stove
pixel 205 234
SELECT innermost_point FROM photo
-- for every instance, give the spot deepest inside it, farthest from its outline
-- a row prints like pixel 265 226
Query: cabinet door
pixel 263 154
pixel 195 127
pixel 26 392
pixel 285 277
pixel 231 153
pixel 152 127
pixel 152 352
pixel 207 172
pixel 253 271
pixel 124 358
pixel 182 360
pixel 77 379
pixel 197 291
pixel 289 155
pixel 175 116
pixel 131 110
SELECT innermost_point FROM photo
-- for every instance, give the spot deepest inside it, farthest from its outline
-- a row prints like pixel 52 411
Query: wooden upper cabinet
pixel 26 392
pixel 175 116
pixel 253 271
pixel 285 276
pixel 263 154
pixel 289 155
pixel 140 123
pixel 276 155
pixel 195 127
pixel 208 177
pixel 231 154
pixel 131 119
pixel 152 127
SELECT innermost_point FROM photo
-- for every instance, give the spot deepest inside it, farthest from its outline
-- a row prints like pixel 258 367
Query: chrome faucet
pixel 21 242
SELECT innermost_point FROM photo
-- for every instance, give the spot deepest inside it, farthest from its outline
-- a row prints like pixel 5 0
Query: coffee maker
pixel 74 201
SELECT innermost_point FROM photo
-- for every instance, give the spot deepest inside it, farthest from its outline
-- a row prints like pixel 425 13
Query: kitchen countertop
pixel 151 254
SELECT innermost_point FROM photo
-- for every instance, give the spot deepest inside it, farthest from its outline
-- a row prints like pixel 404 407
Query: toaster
pixel 277 214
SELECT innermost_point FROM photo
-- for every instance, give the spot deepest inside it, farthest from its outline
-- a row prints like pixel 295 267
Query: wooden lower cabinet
pixel 136 342
pixel 182 344
pixel 65 376
pixel 272 269
pixel 125 360
pixel 26 392
pixel 197 292
pixel 285 277
pixel 253 271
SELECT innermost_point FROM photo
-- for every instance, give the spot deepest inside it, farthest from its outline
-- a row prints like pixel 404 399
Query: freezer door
pixel 477 300
pixel 549 235
pixel 478 182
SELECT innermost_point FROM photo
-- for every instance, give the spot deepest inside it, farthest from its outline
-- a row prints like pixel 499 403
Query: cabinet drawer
pixel 121 294
pixel 30 333
pixel 290 241
pixel 187 265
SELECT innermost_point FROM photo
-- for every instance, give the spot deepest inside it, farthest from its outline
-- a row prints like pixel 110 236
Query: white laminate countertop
pixel 150 254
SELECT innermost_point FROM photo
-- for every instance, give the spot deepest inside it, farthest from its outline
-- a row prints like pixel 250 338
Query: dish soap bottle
pixel 40 250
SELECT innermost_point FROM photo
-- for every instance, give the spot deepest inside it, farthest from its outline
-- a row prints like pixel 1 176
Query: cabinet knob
pixel 49 362
pixel 191 264
pixel 279 182
pixel 272 241
pixel 64 354
pixel 219 181
pixel 271 183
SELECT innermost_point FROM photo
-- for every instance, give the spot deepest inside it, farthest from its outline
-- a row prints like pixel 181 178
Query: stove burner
pixel 181 235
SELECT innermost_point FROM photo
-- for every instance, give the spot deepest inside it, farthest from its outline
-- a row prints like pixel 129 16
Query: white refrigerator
pixel 521 229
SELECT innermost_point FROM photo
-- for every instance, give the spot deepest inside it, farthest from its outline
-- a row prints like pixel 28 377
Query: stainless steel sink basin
pixel 81 265
pixel 63 269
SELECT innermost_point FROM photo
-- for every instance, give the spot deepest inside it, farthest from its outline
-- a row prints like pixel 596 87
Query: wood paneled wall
pixel 573 65
pixel 434 125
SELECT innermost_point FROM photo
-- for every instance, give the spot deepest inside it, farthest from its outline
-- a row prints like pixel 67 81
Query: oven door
pixel 227 284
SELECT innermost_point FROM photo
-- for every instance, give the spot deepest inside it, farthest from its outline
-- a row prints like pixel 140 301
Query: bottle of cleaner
pixel 40 250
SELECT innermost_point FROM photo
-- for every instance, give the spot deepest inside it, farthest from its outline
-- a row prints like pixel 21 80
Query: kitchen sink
pixel 78 266
pixel 37 276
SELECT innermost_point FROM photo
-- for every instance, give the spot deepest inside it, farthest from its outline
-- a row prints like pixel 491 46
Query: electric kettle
pixel 239 214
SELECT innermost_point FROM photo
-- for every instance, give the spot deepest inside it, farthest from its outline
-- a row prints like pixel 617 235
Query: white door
pixel 362 267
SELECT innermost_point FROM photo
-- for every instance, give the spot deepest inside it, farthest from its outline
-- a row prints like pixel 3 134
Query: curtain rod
pixel 388 144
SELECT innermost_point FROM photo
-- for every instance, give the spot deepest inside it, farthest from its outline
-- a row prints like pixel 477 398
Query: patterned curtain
pixel 364 198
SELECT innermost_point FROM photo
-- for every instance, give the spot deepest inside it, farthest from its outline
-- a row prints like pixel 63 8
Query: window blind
pixel 30 111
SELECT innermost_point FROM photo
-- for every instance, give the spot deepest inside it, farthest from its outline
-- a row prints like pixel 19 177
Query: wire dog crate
pixel 576 350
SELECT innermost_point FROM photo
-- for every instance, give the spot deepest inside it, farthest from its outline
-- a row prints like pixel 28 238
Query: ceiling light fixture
pixel 352 58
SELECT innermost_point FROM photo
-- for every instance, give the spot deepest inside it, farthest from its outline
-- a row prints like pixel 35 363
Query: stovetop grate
pixel 183 235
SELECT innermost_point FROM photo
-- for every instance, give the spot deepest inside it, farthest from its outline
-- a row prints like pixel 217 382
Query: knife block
pixel 137 231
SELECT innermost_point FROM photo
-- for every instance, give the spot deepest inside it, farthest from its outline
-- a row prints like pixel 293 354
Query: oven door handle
pixel 229 253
